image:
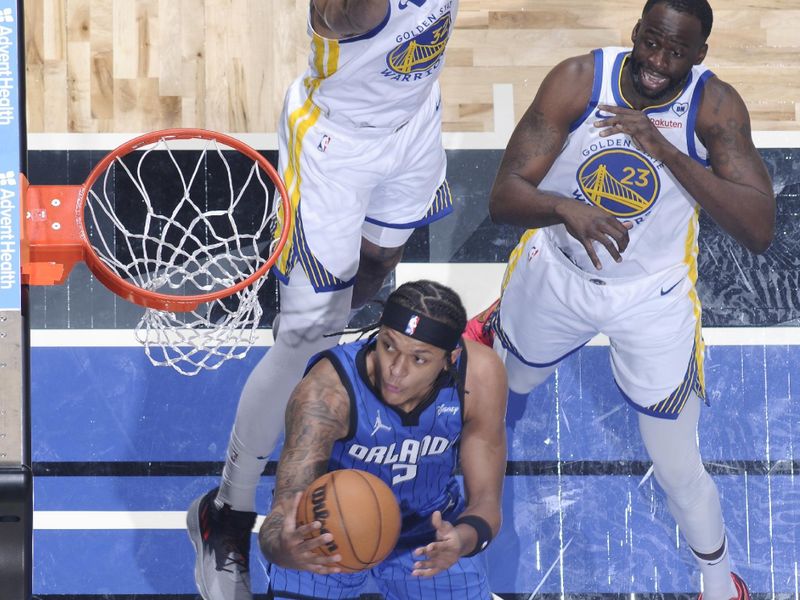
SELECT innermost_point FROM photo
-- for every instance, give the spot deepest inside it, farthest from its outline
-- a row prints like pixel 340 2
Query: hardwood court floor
pixel 137 65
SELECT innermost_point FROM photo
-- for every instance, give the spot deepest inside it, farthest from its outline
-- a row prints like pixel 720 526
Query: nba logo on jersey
pixel 680 108
pixel 412 325
pixel 323 143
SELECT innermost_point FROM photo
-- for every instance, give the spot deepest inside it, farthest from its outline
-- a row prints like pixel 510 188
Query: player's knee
pixel 682 481
pixel 377 261
pixel 523 379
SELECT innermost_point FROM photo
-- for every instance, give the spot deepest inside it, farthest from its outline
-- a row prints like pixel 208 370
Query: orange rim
pixel 157 300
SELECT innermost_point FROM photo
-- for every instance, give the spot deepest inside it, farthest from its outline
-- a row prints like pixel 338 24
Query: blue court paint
pixel 620 534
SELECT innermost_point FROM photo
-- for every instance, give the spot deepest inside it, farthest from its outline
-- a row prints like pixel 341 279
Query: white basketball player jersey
pixel 382 78
pixel 613 174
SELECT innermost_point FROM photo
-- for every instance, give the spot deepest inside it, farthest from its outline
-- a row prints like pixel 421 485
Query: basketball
pixel 361 512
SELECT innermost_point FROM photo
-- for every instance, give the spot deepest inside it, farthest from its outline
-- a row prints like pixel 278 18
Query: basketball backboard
pixel 15 464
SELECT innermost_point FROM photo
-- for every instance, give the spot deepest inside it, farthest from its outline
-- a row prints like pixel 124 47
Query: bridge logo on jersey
pixel 419 52
pixel 621 182
pixel 403 4
pixel 404 457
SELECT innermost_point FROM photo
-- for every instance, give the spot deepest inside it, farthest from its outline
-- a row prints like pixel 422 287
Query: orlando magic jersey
pixel 381 78
pixel 415 453
pixel 613 174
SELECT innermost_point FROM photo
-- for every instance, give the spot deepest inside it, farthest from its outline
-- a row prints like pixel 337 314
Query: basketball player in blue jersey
pixel 417 387
pixel 611 164
pixel 361 154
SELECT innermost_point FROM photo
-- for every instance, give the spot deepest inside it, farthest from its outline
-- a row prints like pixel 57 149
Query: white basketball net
pixel 187 223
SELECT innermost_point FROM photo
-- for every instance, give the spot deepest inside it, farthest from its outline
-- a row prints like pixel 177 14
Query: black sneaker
pixel 221 539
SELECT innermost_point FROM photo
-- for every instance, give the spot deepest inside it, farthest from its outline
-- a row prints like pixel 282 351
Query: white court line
pixel 113 520
pixel 125 338
pixel 477 283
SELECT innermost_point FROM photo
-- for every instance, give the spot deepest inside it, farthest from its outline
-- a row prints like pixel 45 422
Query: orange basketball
pixel 361 512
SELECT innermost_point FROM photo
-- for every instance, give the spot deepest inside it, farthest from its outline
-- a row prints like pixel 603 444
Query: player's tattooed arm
pixel 346 18
pixel 737 191
pixel 317 416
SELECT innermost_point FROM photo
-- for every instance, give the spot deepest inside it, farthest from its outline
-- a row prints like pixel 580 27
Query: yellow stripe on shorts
pixel 325 58
pixel 513 258
pixel 693 380
pixel 690 259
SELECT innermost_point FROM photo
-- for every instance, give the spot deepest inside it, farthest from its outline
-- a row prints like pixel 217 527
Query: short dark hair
pixel 433 300
pixel 697 8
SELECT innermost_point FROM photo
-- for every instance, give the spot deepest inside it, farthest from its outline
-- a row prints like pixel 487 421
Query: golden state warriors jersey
pixel 382 78
pixel 612 174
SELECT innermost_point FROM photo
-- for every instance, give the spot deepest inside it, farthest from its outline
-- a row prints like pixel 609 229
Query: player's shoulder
pixel 579 64
pixel 575 69
pixel 322 382
pixel 566 89
pixel 716 91
pixel 720 103
pixel 483 364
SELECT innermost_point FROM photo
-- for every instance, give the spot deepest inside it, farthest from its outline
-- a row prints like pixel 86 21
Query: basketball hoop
pixel 184 222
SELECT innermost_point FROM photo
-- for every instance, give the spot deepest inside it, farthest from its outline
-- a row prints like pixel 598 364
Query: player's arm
pixel 346 18
pixel 317 415
pixel 483 441
pixel 737 191
pixel 534 146
pixel 483 464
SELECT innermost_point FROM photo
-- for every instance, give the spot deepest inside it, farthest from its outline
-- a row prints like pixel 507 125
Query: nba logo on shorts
pixel 323 143
pixel 412 325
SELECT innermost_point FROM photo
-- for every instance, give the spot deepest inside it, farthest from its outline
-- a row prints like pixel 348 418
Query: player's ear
pixel 635 32
pixel 701 54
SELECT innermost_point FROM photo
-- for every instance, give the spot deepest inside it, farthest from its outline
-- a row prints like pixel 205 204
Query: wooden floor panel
pixel 136 65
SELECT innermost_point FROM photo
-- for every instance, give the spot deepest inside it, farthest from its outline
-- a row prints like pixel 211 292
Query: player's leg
pixel 692 496
pixel 523 378
pixel 329 194
pixel 308 318
pixel 539 320
pixel 657 361
pixel 375 264
pixel 221 521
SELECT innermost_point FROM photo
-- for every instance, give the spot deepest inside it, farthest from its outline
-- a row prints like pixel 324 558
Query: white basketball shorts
pixel 345 182
pixel 550 308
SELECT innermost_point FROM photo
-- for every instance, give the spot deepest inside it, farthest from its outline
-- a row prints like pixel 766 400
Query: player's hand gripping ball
pixel 361 513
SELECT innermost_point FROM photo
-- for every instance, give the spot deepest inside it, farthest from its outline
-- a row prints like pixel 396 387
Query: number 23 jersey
pixel 614 175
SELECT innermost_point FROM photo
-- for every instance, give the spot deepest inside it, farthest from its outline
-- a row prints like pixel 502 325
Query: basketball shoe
pixel 221 538
pixel 741 589
pixel 479 327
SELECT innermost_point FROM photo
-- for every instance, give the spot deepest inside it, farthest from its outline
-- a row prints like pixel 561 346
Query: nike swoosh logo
pixel 668 290
pixel 601 115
